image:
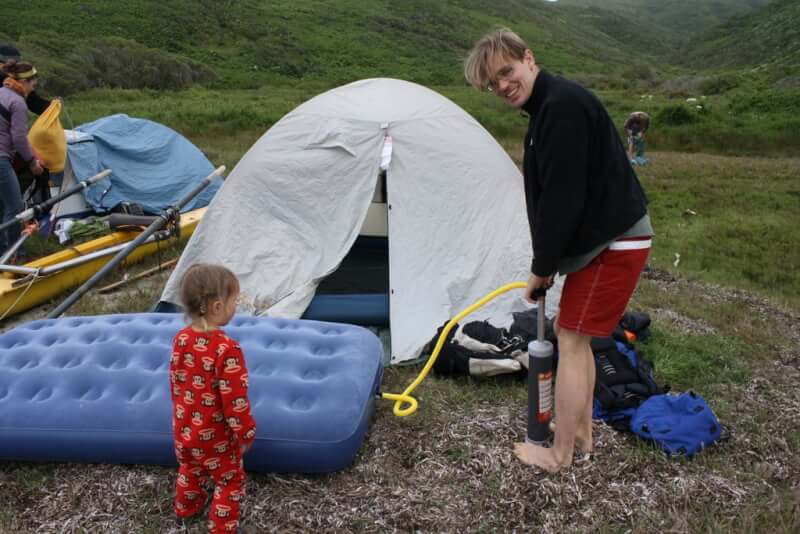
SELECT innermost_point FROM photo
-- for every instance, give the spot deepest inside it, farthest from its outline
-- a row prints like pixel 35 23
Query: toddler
pixel 211 418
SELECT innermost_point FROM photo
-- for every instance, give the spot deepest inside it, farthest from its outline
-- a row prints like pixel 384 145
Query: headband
pixel 26 75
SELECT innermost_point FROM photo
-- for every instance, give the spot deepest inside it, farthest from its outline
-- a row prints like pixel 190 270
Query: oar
pixel 38 209
pixel 158 268
pixel 165 216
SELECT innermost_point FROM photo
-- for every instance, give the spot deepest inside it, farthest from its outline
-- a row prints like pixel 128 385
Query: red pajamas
pixel 211 423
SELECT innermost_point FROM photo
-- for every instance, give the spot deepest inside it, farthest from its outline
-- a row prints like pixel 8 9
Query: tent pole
pixel 166 215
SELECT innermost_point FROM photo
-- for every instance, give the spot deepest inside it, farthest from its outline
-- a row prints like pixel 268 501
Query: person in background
pixel 36 104
pixel 20 80
pixel 212 422
pixel 635 127
pixel 588 219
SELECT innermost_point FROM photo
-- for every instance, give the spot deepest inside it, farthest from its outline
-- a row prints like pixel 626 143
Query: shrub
pixel 638 72
pixel 682 86
pixel 115 62
pixel 676 115
pixel 783 102
pixel 279 53
pixel 716 85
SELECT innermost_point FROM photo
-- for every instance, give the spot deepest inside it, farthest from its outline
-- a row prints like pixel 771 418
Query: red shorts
pixel 594 298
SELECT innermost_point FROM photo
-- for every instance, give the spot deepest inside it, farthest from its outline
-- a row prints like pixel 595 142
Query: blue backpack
pixel 680 424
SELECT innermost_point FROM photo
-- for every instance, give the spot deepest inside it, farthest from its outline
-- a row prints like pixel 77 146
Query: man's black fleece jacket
pixel 580 188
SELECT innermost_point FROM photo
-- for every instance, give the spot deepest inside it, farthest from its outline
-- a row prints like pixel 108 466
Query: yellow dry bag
pixel 47 138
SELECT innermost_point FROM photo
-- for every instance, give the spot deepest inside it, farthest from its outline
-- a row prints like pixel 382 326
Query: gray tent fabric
pixel 291 209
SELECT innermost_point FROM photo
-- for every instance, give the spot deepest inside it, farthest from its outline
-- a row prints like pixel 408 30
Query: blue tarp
pixel 152 165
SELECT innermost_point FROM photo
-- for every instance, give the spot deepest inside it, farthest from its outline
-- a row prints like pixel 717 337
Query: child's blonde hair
pixel 502 43
pixel 203 283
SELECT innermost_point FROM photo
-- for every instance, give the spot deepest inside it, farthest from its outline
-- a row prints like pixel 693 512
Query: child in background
pixel 211 418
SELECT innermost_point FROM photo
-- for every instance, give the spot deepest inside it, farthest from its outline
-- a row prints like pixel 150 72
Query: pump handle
pixel 539 292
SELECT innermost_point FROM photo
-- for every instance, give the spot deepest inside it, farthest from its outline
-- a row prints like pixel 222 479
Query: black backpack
pixel 624 378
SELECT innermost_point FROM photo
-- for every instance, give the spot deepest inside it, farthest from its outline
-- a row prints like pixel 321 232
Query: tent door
pixel 358 289
pixel 376 223
pixel 365 268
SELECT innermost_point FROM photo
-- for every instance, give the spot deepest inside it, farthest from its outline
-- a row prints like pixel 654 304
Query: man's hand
pixel 537 282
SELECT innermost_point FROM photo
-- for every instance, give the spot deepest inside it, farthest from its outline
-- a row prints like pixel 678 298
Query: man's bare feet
pixel 583 438
pixel 541 457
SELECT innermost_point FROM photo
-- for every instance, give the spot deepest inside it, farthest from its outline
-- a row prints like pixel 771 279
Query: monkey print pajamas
pixel 211 422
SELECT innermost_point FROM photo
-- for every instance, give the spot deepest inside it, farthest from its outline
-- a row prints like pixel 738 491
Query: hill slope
pixel 683 18
pixel 767 42
pixel 247 43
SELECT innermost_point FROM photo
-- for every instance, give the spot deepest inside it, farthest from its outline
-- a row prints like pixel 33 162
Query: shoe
pixel 481 336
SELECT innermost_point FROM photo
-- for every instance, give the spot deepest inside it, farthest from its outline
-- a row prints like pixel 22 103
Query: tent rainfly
pixel 293 207
pixel 152 165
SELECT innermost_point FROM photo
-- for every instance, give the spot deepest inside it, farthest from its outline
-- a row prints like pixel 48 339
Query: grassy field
pixel 725 315
pixel 719 218
pixel 224 124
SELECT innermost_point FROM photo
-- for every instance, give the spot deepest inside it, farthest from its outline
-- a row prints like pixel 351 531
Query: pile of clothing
pixel 479 348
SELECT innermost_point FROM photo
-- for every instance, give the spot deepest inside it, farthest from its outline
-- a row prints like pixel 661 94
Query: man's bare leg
pixel 575 362
pixel 583 437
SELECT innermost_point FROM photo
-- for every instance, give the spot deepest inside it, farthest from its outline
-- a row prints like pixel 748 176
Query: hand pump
pixel 540 379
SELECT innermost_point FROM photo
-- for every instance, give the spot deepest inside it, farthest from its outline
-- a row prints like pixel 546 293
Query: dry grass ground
pixel 450 467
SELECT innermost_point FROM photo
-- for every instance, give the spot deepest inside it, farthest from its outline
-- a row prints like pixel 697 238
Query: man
pixel 588 219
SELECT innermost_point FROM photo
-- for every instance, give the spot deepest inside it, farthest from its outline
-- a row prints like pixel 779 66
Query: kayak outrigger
pixel 24 286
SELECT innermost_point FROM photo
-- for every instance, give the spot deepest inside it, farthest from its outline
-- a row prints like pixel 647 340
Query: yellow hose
pixel 405 397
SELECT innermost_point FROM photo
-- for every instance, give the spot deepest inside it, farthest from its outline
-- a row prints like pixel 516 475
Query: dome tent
pixel 152 165
pixel 293 207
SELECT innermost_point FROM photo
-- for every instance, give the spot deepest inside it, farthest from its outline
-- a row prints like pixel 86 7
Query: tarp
pixel 152 165
pixel 293 206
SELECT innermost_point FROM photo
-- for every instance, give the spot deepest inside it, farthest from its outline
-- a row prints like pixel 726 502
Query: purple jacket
pixel 13 126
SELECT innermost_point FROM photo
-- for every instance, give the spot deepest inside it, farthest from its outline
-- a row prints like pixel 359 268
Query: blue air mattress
pixel 370 309
pixel 96 389
pixel 367 309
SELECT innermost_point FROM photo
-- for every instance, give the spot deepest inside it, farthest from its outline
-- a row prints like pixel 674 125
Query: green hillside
pixel 247 62
pixel 681 18
pixel 247 44
pixel 250 43
pixel 637 35
pixel 765 43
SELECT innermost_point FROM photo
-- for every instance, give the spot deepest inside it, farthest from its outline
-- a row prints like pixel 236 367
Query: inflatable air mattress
pixel 96 389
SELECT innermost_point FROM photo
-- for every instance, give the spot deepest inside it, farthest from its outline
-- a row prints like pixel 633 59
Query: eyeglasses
pixel 503 75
